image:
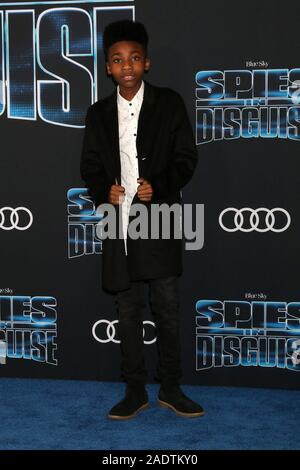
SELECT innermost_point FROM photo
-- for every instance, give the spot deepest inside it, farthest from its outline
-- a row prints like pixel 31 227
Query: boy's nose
pixel 127 65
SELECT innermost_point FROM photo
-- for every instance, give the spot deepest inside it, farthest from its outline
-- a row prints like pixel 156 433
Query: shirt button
pixel 134 134
pixel 132 114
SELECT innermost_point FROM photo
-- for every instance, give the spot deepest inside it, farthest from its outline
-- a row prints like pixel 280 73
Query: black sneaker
pixel 177 401
pixel 134 401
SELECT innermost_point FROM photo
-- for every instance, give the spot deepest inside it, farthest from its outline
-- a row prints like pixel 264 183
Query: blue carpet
pixel 60 414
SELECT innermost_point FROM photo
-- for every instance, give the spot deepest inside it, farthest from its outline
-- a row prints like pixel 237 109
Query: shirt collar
pixel 136 100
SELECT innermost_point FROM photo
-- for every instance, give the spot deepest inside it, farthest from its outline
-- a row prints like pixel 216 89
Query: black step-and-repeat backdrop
pixel 239 74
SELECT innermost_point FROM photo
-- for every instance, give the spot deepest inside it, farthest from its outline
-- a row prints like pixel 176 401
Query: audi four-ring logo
pixel 269 219
pixel 110 331
pixel 13 219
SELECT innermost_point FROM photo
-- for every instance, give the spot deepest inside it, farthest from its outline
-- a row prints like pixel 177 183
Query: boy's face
pixel 127 63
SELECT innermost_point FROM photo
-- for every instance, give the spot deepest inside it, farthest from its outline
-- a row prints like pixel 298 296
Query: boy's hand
pixel 116 194
pixel 144 190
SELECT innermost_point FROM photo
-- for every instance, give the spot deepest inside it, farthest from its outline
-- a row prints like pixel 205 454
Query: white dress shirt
pixel 128 115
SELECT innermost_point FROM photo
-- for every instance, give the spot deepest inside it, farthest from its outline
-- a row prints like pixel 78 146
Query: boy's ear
pixel 108 68
pixel 147 64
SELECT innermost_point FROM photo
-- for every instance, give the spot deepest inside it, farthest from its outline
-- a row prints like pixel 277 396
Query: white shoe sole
pixel 143 407
pixel 164 404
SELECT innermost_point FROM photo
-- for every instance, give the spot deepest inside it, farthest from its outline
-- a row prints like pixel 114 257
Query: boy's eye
pixel 134 58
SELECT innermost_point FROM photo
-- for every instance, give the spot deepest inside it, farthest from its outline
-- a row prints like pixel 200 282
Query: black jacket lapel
pixel 111 124
pixel 144 135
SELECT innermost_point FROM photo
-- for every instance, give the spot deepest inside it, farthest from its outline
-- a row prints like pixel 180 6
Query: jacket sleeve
pixel 91 167
pixel 184 155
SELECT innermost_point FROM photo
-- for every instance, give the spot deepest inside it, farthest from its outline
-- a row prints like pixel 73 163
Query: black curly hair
pixel 124 30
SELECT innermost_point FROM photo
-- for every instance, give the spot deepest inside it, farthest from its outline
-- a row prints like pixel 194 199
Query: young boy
pixel 139 147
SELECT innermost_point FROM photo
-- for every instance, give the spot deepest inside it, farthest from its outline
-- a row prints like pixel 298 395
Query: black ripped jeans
pixel 164 302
